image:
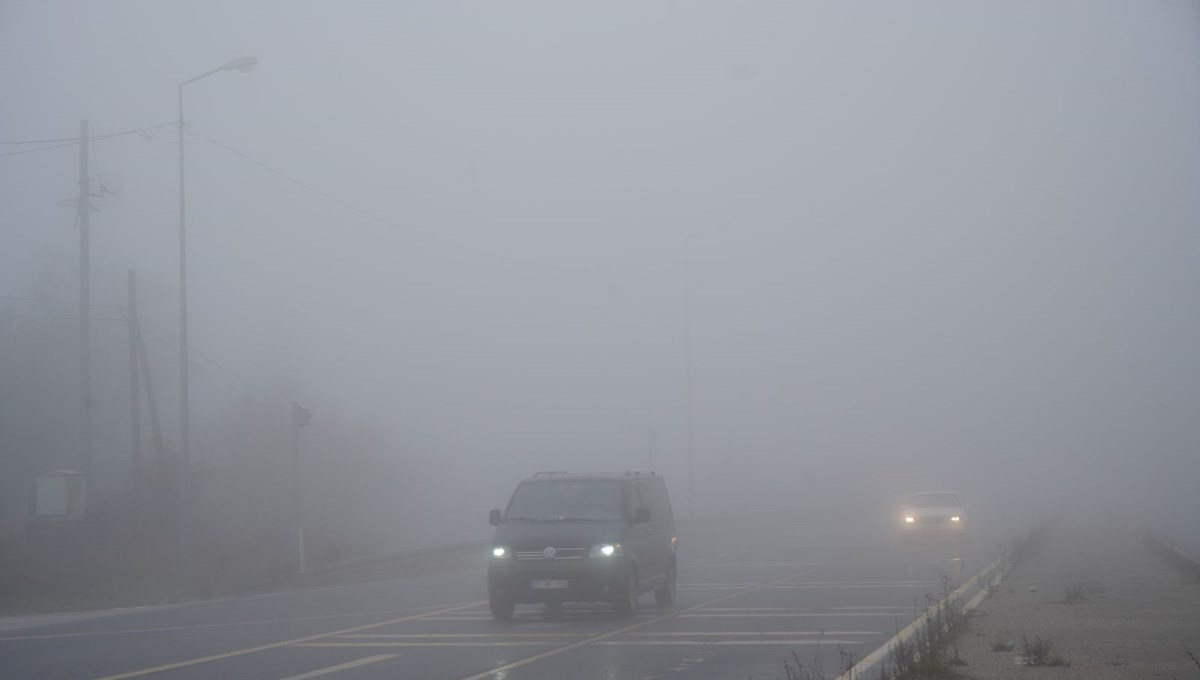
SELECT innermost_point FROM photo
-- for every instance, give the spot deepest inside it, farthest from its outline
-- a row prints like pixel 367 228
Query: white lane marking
pixel 820 584
pixel 687 662
pixel 861 583
pixel 759 565
pixel 757 609
pixel 765 633
pixel 433 643
pixel 812 586
pixel 341 667
pixel 535 617
pixel 276 645
pixel 705 643
pixel 402 636
pixel 610 643
pixel 501 671
pixel 873 609
pixel 224 624
pixel 779 615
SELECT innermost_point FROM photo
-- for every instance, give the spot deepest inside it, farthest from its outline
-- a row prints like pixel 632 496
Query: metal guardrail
pixel 1186 563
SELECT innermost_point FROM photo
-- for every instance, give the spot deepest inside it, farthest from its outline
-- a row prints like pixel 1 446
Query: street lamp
pixel 242 64
pixel 687 348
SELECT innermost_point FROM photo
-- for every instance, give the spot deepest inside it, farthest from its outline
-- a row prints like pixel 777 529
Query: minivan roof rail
pixel 634 473
pixel 547 473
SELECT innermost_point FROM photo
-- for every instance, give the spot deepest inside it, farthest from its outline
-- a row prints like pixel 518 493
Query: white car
pixel 934 513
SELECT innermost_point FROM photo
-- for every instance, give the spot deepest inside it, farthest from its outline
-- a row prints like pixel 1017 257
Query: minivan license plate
pixel 548 585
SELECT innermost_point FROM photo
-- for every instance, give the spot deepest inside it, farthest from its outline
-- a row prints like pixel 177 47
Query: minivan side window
pixel 660 504
pixel 642 499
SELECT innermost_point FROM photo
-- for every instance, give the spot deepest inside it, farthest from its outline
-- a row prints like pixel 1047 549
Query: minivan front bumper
pixel 592 579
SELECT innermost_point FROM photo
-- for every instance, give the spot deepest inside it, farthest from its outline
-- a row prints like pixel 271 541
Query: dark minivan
pixel 583 538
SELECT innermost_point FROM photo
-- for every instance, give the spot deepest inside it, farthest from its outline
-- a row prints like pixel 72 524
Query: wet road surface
pixel 747 599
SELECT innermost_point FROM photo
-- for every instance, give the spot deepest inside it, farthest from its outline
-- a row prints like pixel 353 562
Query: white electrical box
pixel 58 494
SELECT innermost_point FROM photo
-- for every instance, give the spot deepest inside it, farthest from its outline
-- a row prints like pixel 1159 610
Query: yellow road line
pixel 276 645
pixel 341 667
pixel 502 671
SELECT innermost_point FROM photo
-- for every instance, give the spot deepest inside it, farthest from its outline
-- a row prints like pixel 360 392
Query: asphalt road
pixel 748 597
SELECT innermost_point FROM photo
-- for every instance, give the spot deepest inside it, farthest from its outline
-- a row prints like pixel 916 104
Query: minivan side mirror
pixel 641 515
pixel 494 517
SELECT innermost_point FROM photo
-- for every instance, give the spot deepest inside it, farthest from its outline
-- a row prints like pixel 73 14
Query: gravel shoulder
pixel 1110 607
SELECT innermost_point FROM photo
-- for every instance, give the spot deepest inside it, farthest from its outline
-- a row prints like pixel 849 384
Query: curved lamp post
pixel 242 64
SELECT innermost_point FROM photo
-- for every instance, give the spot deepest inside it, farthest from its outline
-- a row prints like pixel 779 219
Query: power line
pixel 91 137
pixel 193 350
pixel 361 211
pixel 243 389
pixel 54 302
pixel 48 144
pixel 58 317
pixel 40 148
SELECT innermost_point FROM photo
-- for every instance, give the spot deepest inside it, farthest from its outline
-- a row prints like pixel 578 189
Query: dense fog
pixel 918 246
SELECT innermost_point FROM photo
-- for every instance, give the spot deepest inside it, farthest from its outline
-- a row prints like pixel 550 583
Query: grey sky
pixel 949 240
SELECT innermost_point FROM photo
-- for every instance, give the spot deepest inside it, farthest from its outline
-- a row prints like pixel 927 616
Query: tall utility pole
pixel 135 395
pixel 687 358
pixel 300 418
pixel 85 330
pixel 185 451
pixel 687 349
pixel 151 402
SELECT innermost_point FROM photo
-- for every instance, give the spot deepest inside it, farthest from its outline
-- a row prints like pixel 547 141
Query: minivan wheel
pixel 502 610
pixel 665 596
pixel 627 604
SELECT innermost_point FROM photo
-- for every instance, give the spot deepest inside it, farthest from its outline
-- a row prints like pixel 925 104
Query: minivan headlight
pixel 606 550
pixel 500 552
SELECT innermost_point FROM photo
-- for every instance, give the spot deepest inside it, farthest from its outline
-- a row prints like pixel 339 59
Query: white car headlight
pixel 500 552
pixel 909 520
pixel 606 550
pixel 956 518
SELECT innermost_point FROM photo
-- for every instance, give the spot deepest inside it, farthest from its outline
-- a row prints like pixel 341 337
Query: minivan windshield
pixel 936 500
pixel 566 499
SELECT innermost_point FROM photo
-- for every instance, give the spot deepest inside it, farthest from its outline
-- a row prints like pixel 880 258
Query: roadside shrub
pixel 1040 652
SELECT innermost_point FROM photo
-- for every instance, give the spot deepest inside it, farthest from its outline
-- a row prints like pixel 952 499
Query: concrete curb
pixel 868 662
pixel 1187 564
